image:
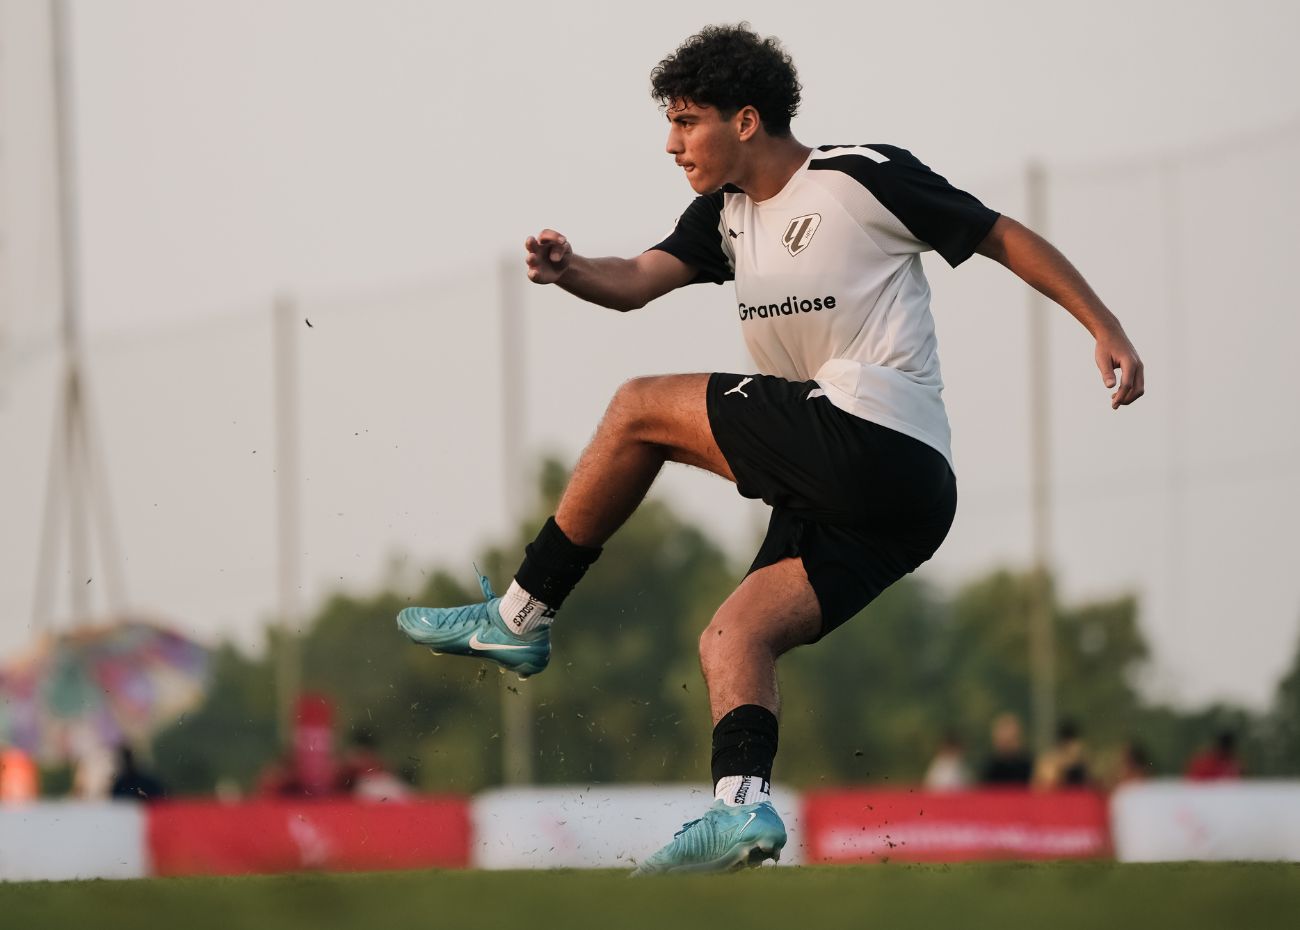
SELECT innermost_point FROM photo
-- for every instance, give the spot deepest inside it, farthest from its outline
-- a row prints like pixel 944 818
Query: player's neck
pixel 770 166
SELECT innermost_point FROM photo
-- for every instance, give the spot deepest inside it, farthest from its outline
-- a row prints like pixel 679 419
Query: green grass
pixel 1053 896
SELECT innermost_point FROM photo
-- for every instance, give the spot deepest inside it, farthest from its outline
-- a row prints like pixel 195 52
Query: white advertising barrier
pixel 1173 821
pixel 595 827
pixel 56 840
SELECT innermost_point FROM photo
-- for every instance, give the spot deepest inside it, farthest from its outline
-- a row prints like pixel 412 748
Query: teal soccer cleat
pixel 477 630
pixel 725 838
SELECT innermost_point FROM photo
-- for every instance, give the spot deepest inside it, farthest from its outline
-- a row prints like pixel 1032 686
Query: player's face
pixel 704 144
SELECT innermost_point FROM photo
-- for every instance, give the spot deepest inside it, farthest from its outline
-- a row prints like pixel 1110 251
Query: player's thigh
pixel 672 411
pixel 775 605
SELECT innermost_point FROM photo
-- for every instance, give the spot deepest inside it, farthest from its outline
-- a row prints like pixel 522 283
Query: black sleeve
pixel 697 241
pixel 948 220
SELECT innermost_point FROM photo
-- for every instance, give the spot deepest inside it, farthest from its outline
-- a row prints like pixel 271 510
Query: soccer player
pixel 840 427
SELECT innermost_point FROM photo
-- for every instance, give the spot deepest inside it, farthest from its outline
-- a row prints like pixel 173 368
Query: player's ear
pixel 746 122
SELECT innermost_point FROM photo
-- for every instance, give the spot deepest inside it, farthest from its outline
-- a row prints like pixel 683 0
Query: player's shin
pixel 552 566
pixel 744 748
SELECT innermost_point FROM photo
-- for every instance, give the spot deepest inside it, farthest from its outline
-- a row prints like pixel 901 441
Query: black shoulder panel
pixel 949 220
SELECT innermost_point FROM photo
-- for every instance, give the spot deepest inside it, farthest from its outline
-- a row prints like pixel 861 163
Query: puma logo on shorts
pixel 737 388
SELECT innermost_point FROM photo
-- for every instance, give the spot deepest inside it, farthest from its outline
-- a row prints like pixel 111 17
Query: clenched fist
pixel 548 255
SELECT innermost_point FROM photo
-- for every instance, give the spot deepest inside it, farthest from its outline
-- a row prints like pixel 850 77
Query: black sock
pixel 553 564
pixel 744 743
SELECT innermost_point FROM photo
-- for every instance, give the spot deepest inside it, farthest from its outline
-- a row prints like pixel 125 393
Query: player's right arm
pixel 618 283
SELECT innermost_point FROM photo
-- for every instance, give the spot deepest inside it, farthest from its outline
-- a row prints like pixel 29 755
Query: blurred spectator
pixel 19 779
pixel 364 774
pixel 132 782
pixel 307 768
pixel 93 769
pixel 1134 764
pixel 313 744
pixel 947 771
pixel 1064 765
pixel 1010 764
pixel 1217 761
pixel 227 790
pixel 281 779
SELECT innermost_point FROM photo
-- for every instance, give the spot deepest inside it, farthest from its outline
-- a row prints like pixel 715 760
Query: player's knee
pixel 632 408
pixel 730 637
pixel 710 647
pixel 723 638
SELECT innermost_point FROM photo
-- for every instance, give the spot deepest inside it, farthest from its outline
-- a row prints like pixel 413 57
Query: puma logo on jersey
pixel 733 234
pixel 737 388
pixel 800 232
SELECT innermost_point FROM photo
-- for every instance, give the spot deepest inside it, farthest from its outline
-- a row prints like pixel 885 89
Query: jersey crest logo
pixel 800 232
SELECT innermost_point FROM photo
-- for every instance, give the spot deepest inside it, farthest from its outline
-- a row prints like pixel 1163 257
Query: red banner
pixel 918 826
pixel 212 838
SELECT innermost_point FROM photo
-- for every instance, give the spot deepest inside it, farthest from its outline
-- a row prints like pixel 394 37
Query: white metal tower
pixel 76 495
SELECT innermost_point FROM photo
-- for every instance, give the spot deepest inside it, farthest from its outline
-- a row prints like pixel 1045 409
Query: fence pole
pixel 1041 646
pixel 516 701
pixel 288 661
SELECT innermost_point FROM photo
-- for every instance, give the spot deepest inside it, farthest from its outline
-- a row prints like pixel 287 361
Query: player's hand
pixel 548 255
pixel 1114 351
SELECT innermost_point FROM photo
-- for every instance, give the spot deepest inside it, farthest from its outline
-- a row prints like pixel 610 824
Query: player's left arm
pixel 1042 266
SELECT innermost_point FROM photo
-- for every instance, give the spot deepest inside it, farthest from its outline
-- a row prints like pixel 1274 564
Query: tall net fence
pixel 1187 498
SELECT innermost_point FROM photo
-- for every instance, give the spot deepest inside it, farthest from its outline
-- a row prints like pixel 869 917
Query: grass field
pixel 1053 896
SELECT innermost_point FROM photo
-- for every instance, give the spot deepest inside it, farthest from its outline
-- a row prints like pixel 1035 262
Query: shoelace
pixel 686 826
pixel 448 617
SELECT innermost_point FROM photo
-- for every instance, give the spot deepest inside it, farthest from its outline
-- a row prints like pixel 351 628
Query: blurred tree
pixel 434 720
pixel 232 736
pixel 1098 648
pixel 863 704
pixel 623 698
pixel 910 669
pixel 1280 754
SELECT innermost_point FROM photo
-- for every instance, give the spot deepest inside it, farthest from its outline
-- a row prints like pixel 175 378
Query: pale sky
pixel 377 159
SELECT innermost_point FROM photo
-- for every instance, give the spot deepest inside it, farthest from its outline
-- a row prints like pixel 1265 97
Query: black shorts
pixel 861 504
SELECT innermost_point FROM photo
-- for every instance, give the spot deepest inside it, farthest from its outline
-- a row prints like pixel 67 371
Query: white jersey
pixel 829 284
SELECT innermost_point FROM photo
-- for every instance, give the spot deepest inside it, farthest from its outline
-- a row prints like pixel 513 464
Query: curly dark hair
pixel 729 67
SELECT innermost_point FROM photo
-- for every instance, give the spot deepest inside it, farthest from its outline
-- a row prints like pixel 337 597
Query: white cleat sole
pixel 757 855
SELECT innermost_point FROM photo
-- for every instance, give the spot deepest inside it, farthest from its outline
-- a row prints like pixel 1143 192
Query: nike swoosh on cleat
pixel 476 643
pixel 752 815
